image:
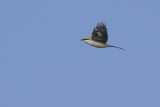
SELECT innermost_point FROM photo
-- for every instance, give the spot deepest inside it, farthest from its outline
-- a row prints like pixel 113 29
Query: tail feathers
pixel 117 47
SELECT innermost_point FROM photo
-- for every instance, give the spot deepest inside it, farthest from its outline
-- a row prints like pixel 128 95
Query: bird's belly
pixel 95 44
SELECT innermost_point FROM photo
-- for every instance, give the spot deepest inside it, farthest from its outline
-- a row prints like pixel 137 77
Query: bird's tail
pixel 117 47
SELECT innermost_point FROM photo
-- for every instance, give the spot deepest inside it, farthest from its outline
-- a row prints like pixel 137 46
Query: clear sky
pixel 43 63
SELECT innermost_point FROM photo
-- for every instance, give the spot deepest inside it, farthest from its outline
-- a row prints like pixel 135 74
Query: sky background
pixel 43 63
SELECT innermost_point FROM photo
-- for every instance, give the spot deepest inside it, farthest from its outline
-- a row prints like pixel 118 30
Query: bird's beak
pixel 82 39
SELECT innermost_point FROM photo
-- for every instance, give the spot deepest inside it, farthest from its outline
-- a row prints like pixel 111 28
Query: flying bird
pixel 99 37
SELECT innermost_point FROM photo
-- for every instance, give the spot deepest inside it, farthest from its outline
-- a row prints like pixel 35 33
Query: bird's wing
pixel 100 33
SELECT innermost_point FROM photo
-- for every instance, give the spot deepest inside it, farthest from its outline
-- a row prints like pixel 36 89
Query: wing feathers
pixel 100 33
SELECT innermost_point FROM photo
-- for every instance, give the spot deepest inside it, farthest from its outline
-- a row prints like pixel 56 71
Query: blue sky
pixel 43 63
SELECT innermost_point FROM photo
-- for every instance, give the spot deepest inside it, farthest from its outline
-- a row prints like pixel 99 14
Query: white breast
pixel 96 44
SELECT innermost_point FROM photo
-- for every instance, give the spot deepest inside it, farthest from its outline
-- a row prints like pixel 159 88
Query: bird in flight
pixel 99 37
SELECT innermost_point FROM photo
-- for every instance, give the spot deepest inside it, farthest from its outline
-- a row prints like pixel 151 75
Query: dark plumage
pixel 100 33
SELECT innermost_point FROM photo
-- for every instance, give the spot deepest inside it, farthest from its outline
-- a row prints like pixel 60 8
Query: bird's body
pixel 99 37
pixel 96 43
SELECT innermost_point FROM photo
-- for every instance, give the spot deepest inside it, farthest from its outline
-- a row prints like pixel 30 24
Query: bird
pixel 99 37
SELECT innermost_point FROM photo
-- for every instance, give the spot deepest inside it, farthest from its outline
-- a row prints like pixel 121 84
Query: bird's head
pixel 86 38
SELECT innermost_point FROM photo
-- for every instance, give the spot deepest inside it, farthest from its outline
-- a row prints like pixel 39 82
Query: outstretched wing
pixel 100 33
